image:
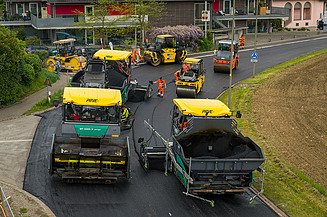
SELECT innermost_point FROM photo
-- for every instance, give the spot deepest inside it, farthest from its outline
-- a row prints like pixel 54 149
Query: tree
pixel 143 9
pixel 100 20
pixel 11 66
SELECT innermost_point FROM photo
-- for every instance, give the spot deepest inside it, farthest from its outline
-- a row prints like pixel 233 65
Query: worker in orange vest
pixel 161 86
pixel 242 41
pixel 177 74
pixel 185 67
pixel 133 60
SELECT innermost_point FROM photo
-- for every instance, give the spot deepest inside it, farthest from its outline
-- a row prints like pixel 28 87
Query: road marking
pixel 268 46
pixel 19 140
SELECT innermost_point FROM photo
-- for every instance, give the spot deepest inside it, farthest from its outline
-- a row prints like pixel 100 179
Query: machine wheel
pixel 156 63
pixel 73 65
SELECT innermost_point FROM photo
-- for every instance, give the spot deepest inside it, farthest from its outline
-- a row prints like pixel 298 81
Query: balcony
pixel 273 13
pixel 53 23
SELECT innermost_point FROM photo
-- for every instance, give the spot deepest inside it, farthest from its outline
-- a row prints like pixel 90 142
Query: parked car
pixel 33 48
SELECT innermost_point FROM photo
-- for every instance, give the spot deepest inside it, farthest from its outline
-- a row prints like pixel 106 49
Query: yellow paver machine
pixel 87 145
pixel 206 151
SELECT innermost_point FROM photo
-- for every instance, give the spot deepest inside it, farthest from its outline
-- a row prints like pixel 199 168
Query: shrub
pixel 206 44
pixel 43 55
pixel 33 40
pixel 185 35
pixel 35 61
pixel 28 75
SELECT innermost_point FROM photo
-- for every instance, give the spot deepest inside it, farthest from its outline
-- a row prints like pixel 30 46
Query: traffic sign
pixel 254 55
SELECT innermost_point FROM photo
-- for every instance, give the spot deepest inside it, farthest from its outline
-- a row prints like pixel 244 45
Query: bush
pixel 33 40
pixel 43 55
pixel 206 44
pixel 28 75
pixel 185 35
pixel 35 61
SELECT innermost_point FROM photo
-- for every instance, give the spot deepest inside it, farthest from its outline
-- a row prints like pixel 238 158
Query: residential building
pixel 301 13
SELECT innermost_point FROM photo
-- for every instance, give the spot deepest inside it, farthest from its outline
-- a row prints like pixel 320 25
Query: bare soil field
pixel 291 111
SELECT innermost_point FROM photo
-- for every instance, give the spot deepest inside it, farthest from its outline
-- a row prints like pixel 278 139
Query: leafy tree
pixel 11 66
pixel 102 24
pixel 33 40
pixel 143 9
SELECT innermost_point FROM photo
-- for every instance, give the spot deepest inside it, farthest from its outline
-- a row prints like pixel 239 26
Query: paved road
pixel 149 194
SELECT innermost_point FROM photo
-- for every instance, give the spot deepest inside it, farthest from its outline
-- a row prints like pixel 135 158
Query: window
pixel 33 9
pixel 297 24
pixel 307 11
pixel 289 7
pixel 297 11
pixel 306 24
pixel 89 10
pixel 20 8
pixel 198 8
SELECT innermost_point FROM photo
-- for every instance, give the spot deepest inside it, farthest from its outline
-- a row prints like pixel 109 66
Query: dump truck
pixel 165 50
pixel 65 53
pixel 191 79
pixel 222 56
pixel 208 154
pixel 112 69
pixel 87 145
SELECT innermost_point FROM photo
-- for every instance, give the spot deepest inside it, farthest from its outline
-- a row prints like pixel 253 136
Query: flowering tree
pixel 185 35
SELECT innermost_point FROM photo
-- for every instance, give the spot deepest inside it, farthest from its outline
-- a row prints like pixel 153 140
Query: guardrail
pixel 5 209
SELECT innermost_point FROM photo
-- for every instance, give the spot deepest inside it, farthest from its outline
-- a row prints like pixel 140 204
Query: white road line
pixel 19 140
pixel 273 45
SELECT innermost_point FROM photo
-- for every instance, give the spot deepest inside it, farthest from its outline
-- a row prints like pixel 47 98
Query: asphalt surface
pixel 150 194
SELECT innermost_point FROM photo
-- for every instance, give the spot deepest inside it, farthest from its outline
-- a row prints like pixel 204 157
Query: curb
pixel 265 44
pixel 46 209
pixel 270 204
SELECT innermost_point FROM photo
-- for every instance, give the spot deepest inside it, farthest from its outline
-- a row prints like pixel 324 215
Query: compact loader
pixel 207 152
pixel 87 145
pixel 222 56
pixel 69 61
pixel 165 50
pixel 191 79
pixel 112 69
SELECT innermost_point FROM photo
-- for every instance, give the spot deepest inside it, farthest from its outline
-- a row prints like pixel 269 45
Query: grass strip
pixel 287 186
pixel 44 103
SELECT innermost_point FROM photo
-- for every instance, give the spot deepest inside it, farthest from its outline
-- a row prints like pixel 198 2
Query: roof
pixel 65 41
pixel 92 96
pixel 164 36
pixel 105 54
pixel 192 61
pixel 202 107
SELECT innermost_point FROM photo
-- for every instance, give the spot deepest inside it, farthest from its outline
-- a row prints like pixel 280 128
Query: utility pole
pixel 231 58
pixel 255 35
pixel 206 22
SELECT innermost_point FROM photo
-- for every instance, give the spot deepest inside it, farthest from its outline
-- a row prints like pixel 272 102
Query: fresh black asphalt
pixel 152 193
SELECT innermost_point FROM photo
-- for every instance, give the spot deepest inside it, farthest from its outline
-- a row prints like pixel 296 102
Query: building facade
pixel 302 13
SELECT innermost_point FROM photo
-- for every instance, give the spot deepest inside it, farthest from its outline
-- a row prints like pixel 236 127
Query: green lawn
pixel 288 187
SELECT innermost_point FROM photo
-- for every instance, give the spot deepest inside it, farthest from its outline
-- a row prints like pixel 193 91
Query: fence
pixel 5 209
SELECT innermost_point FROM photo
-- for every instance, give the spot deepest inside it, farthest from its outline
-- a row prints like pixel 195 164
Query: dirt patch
pixel 291 111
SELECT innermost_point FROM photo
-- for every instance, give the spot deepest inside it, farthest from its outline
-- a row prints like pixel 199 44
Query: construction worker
pixel 161 86
pixel 177 74
pixel 133 60
pixel 138 55
pixel 185 67
pixel 242 41
pixel 125 113
pixel 58 68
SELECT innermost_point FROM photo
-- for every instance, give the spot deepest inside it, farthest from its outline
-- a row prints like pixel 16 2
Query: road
pixel 149 194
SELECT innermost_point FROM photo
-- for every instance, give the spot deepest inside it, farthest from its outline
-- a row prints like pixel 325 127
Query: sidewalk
pixel 16 135
pixel 19 108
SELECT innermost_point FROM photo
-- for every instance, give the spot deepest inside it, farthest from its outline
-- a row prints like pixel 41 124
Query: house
pixel 301 13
